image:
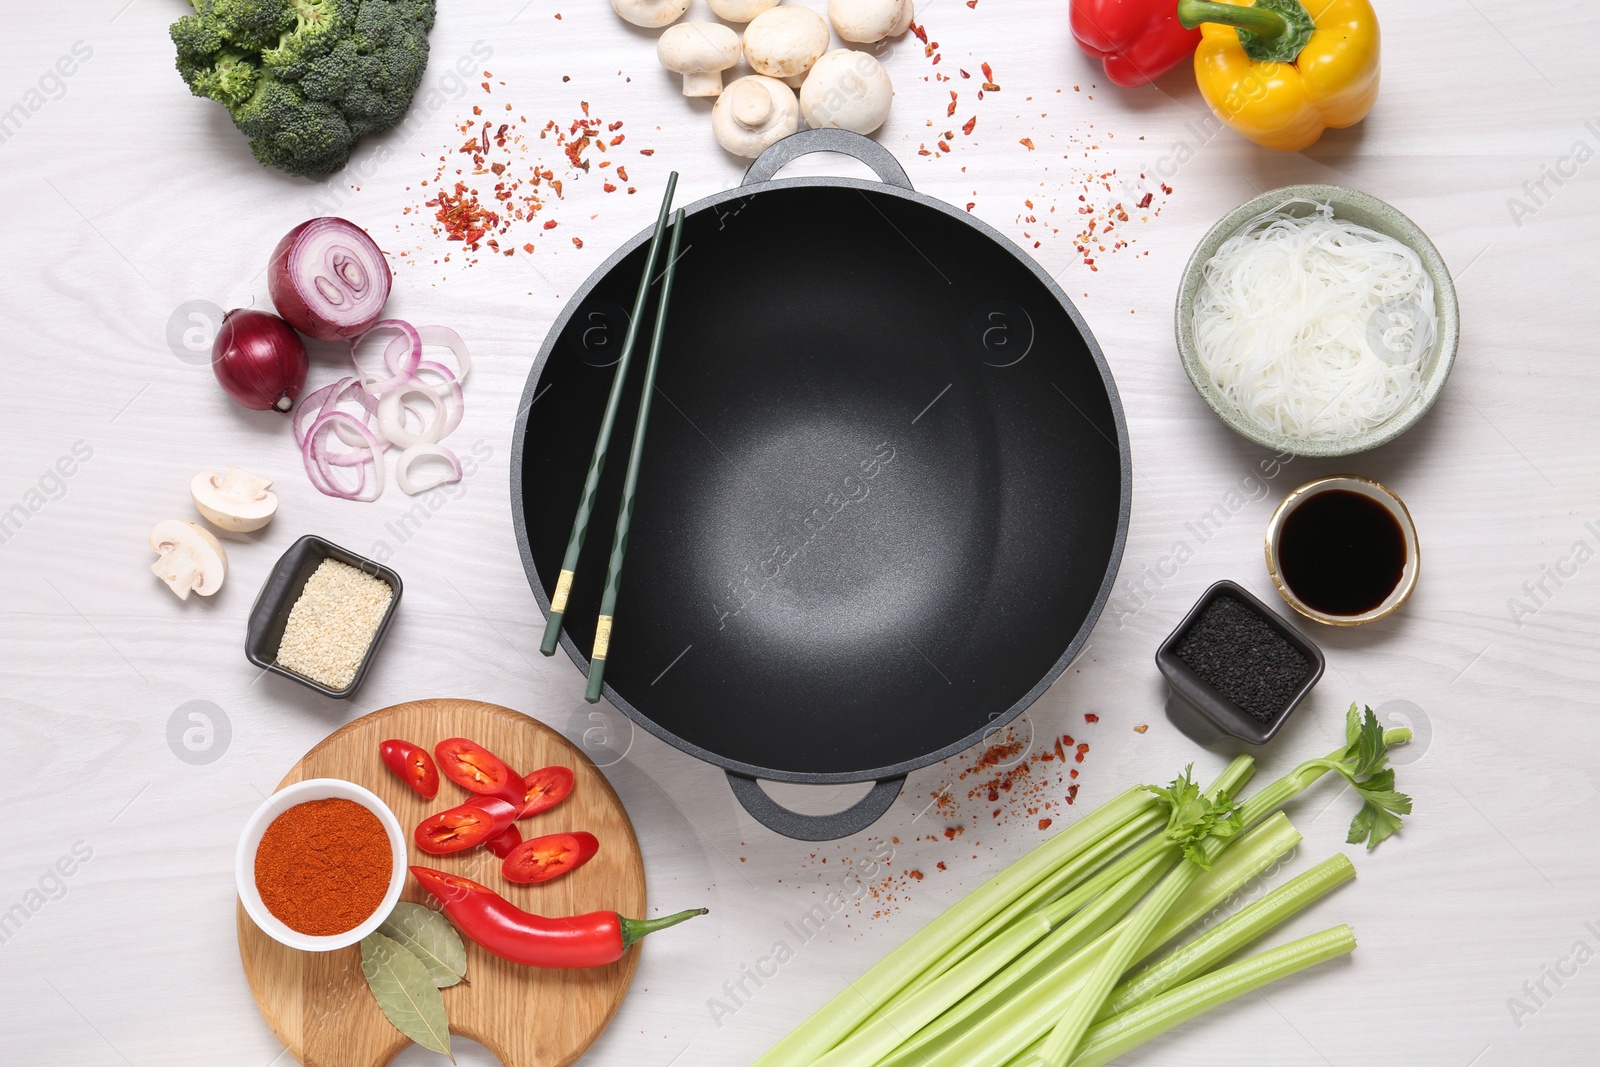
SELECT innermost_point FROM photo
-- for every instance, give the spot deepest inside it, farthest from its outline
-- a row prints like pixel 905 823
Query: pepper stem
pixel 635 929
pixel 1272 31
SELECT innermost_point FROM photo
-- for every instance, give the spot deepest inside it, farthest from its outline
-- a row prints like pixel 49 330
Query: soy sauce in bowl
pixel 1343 551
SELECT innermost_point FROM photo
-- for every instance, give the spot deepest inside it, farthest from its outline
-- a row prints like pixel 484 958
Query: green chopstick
pixel 602 441
pixel 619 541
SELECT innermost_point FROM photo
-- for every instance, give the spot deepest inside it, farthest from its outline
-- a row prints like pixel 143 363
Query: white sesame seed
pixel 332 624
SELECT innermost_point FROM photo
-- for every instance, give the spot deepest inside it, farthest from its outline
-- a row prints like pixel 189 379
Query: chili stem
pixel 634 929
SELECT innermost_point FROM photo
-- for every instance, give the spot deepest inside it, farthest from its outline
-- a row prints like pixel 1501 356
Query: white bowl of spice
pixel 321 615
pixel 320 864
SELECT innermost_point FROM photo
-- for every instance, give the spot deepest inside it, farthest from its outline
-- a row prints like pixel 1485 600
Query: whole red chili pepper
pixel 497 925
pixel 1136 41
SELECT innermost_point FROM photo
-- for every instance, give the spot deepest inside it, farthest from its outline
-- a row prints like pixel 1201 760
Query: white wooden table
pixel 125 198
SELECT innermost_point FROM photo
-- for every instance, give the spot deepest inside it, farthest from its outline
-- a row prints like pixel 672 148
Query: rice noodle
pixel 1312 326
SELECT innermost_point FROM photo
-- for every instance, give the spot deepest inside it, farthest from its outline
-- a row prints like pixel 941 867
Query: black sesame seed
pixel 1232 648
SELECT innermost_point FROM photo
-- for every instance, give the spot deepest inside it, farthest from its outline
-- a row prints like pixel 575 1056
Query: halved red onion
pixel 319 460
pixel 401 370
pixel 403 462
pixel 329 279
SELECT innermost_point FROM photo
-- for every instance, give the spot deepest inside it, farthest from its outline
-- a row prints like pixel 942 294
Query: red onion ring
pixel 402 468
pixel 320 470
pixel 440 337
pixel 398 377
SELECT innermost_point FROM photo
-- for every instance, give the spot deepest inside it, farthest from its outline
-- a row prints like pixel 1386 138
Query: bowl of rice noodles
pixel 1317 320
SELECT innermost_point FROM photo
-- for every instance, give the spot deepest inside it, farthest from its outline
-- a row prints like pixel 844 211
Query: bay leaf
pixel 431 938
pixel 402 988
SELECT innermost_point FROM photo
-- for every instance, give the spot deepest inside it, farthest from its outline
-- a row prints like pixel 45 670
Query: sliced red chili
pixel 544 788
pixel 539 859
pixel 500 927
pixel 476 769
pixel 464 826
pixel 412 765
pixel 505 842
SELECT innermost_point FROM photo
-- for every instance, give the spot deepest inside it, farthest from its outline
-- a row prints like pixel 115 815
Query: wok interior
pixel 880 492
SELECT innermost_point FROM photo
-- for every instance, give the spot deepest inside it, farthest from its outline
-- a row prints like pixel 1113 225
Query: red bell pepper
pixel 495 924
pixel 1137 41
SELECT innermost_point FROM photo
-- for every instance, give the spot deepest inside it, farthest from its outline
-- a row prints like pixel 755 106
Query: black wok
pixel 884 494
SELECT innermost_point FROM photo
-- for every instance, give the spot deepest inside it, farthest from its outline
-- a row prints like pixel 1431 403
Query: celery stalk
pixel 888 1028
pixel 1361 762
pixel 858 1001
pixel 1156 1016
pixel 1062 880
pixel 1023 1003
pixel 1229 936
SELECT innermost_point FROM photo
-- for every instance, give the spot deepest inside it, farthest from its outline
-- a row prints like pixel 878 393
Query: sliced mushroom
pixel 784 42
pixel 870 21
pixel 191 559
pixel 752 113
pixel 651 14
pixel 700 51
pixel 234 500
pixel 740 10
pixel 848 90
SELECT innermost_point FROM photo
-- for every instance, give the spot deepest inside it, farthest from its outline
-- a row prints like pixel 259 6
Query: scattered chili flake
pixel 1141 728
pixel 970 125
pixel 988 72
pixel 941 865
pixel 550 224
pixel 1090 716
pixel 527 247
pixel 922 34
pixel 608 187
pixel 943 147
pixel 647 151
pixel 1026 142
pixel 1145 200
pixel 1044 824
pixel 577 242
pixel 914 874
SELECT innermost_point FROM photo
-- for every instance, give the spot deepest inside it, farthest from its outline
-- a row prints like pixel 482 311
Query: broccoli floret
pixel 304 79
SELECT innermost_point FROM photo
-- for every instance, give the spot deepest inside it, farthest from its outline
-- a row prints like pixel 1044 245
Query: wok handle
pixel 774 816
pixel 807 142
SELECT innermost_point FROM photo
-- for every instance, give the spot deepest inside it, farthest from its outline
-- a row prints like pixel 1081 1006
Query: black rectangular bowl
pixel 1197 707
pixel 269 616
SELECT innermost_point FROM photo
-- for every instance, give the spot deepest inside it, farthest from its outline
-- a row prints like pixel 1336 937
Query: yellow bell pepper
pixel 1279 73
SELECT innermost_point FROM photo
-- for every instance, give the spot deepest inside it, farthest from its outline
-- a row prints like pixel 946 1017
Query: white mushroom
pixel 651 14
pixel 754 112
pixel 700 51
pixel 848 90
pixel 191 559
pixel 784 42
pixel 233 500
pixel 870 21
pixel 741 10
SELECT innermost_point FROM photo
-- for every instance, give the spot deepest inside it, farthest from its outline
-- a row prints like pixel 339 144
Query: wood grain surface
pixel 318 1004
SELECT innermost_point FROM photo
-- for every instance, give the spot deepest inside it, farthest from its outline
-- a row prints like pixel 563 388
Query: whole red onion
pixel 260 361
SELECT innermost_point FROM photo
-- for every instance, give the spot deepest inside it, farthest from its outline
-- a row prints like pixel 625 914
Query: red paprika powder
pixel 323 867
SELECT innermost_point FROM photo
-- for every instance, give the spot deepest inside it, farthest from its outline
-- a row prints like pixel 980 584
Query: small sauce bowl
pixel 1385 499
pixel 250 841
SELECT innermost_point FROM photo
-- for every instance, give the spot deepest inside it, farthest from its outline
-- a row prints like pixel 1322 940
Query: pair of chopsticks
pixel 602 445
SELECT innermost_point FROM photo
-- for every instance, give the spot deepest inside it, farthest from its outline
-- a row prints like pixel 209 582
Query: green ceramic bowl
pixel 1364 210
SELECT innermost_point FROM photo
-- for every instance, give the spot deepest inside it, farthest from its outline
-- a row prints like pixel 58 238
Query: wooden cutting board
pixel 318 1003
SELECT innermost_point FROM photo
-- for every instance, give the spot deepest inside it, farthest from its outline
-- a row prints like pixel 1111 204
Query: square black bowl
pixel 269 616
pixel 1197 707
